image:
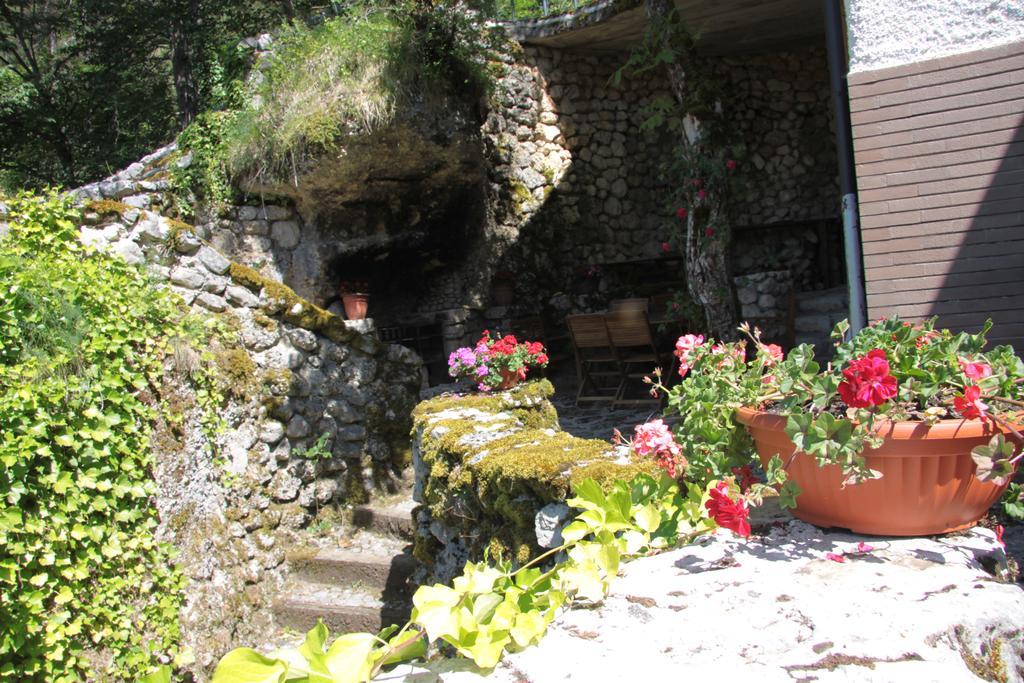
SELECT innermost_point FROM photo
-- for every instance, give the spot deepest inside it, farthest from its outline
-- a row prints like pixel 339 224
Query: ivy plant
pixel 493 609
pixel 86 590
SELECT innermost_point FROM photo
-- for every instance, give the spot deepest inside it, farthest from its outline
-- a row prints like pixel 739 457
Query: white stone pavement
pixel 775 608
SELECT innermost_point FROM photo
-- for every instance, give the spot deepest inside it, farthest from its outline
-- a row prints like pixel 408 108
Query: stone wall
pixel 492 474
pixel 237 488
pixel 567 179
pixel 611 203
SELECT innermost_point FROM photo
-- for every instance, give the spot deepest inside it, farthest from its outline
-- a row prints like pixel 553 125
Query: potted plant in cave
pixel 355 297
pixel 908 431
pixel 496 363
pixel 503 288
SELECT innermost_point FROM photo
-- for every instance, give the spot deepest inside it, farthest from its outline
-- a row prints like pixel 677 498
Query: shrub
pixel 319 84
pixel 86 592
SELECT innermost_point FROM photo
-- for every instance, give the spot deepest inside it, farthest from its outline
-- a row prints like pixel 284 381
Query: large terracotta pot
pixel 927 486
pixel 355 305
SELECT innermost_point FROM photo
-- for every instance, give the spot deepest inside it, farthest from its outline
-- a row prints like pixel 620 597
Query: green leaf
pixel 243 665
pixel 434 608
pixel 477 579
pixel 528 628
pixel 487 648
pixel 648 518
pixel 788 494
pixel 161 675
pixel 351 657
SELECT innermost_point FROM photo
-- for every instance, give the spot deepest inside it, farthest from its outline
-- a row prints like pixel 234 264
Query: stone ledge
pixel 493 472
pixel 776 608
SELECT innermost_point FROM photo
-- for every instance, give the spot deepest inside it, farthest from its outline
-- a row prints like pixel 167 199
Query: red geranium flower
pixel 730 164
pixel 665 247
pixel 744 477
pixel 701 194
pixel 728 513
pixel 970 405
pixel 868 382
pixel 681 213
pixel 709 232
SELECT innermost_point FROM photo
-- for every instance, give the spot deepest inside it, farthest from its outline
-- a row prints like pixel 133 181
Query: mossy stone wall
pixel 487 464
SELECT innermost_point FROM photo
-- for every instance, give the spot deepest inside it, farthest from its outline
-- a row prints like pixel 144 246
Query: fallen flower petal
pixel 835 557
pixel 863 547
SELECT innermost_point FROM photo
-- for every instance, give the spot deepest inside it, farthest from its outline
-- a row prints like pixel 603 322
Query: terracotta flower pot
pixel 927 486
pixel 503 293
pixel 509 379
pixel 355 305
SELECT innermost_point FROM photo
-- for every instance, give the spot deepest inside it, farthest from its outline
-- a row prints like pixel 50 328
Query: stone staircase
pixel 358 583
pixel 816 313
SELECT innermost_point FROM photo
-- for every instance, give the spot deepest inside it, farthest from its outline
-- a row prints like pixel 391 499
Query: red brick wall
pixel 939 148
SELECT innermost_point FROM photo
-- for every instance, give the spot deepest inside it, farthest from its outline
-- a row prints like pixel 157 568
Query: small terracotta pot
pixel 509 379
pixel 503 293
pixel 928 484
pixel 355 305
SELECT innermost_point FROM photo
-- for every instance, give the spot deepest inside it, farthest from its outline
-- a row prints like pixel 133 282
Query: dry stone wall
pixel 606 200
pixel 234 498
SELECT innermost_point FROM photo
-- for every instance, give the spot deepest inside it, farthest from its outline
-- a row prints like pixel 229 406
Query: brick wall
pixel 939 148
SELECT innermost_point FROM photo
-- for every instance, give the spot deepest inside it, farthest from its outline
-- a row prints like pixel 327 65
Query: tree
pixel 87 86
pixel 704 160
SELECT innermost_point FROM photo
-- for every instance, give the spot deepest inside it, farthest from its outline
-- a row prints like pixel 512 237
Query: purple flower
pixel 483 387
pixel 482 371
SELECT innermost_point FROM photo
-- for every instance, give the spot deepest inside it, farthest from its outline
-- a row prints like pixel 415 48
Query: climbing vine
pixel 703 163
pixel 493 609
pixel 86 591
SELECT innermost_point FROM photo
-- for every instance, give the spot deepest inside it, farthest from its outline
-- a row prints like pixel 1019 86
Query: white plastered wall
pixel 885 33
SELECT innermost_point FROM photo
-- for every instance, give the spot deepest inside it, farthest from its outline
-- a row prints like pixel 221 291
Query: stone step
pixel 376 573
pixel 390 520
pixel 833 300
pixel 343 610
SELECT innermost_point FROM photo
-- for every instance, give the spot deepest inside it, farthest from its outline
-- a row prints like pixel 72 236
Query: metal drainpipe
pixel 844 149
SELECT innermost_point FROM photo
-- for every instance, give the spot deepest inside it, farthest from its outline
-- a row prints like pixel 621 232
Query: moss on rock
pixel 491 461
pixel 296 310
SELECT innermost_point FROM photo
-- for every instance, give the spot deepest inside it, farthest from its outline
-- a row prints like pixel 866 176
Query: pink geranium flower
pixel 685 347
pixel 772 354
pixel 975 371
pixel 654 439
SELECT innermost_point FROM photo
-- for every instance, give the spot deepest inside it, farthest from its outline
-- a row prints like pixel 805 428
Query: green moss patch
pixel 494 460
pixel 297 311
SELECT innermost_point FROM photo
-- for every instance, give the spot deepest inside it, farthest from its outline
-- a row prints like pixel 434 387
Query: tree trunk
pixel 708 275
pixel 183 58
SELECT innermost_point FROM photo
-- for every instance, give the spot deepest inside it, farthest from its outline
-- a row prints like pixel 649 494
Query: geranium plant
pixel 496 362
pixel 892 370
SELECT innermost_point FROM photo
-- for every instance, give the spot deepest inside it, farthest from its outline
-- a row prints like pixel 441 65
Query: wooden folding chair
pixel 597 367
pixel 633 343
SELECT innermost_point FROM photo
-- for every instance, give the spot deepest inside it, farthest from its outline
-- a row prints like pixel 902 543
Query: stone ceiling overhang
pixel 723 26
